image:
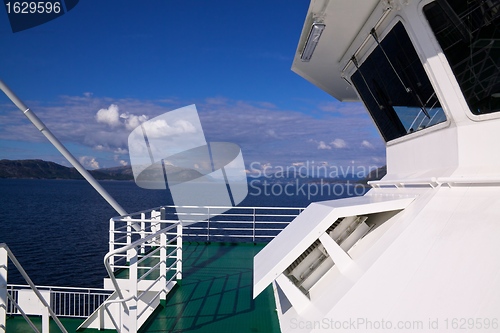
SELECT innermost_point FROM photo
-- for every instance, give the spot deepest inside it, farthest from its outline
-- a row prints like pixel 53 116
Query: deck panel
pixel 215 295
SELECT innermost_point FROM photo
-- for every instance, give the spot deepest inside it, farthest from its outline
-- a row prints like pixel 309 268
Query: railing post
pixel 163 215
pixel 3 288
pixel 112 241
pixel 143 231
pixel 129 235
pixel 100 317
pixel 253 235
pixel 45 321
pixel 208 224
pixel 163 264
pixel 129 322
pixel 179 251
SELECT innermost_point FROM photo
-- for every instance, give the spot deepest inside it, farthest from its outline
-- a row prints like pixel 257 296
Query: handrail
pixel 52 288
pixel 123 217
pixel 73 302
pixel 32 285
pixel 131 249
pixel 128 247
pixel 250 223
pixel 437 182
pixel 136 247
pixel 105 304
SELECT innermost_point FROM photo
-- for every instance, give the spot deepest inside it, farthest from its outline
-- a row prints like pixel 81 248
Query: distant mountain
pixel 39 169
pixel 118 173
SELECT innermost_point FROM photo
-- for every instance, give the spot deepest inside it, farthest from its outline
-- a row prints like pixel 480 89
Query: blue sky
pixel 143 58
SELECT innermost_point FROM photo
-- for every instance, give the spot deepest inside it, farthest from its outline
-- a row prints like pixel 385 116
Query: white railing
pixel 69 302
pixel 147 247
pixel 37 305
pixel 142 265
pixel 206 223
pixel 236 224
pixel 145 251
pixel 122 235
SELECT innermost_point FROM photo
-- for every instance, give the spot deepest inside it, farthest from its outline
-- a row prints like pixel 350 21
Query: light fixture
pixel 312 40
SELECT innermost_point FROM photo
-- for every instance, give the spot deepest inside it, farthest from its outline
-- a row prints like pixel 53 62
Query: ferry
pixel 419 252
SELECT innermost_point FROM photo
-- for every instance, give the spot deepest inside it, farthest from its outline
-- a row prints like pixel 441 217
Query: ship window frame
pixel 464 101
pixel 370 48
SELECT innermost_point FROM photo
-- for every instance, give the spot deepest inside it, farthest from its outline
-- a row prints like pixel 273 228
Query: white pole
pixel 59 146
pixel 3 289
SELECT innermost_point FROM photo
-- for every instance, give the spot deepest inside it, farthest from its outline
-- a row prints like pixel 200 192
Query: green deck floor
pixel 215 295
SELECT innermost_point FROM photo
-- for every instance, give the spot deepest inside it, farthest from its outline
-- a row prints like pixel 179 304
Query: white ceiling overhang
pixel 344 20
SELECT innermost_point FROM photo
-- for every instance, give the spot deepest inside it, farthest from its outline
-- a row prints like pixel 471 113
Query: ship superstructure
pixel 420 250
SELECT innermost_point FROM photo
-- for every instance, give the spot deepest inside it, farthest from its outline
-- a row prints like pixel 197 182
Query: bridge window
pixel 468 32
pixel 395 88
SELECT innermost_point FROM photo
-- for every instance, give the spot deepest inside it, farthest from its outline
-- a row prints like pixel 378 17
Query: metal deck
pixel 215 295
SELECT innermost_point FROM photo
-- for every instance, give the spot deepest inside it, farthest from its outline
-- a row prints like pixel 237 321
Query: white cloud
pixel 216 100
pixel 120 151
pixel 379 160
pixel 89 162
pixel 249 124
pixel 367 144
pixel 132 121
pixel 323 145
pixel 271 133
pixel 109 116
pixel 343 109
pixel 338 143
pixel 161 129
pixel 123 163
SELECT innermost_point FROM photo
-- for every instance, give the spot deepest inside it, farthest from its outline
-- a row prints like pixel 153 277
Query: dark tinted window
pixel 395 88
pixel 468 31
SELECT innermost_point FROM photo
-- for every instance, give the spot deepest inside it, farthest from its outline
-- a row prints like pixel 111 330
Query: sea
pixel 58 229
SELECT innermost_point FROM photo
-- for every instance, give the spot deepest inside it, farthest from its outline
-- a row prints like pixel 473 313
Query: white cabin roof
pixel 343 19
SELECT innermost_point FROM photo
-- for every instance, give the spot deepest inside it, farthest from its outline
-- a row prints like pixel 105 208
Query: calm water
pixel 58 229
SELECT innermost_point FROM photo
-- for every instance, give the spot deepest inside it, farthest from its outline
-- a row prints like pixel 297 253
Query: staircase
pixel 143 266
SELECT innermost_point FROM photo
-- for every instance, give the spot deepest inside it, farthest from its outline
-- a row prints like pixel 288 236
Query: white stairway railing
pixel 143 266
pixel 70 302
pixel 34 303
pixel 145 253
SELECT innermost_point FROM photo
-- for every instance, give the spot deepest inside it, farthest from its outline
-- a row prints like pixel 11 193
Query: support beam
pixel 341 259
pixel 296 297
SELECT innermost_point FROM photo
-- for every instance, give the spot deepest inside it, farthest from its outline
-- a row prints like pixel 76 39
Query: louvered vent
pixel 315 261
